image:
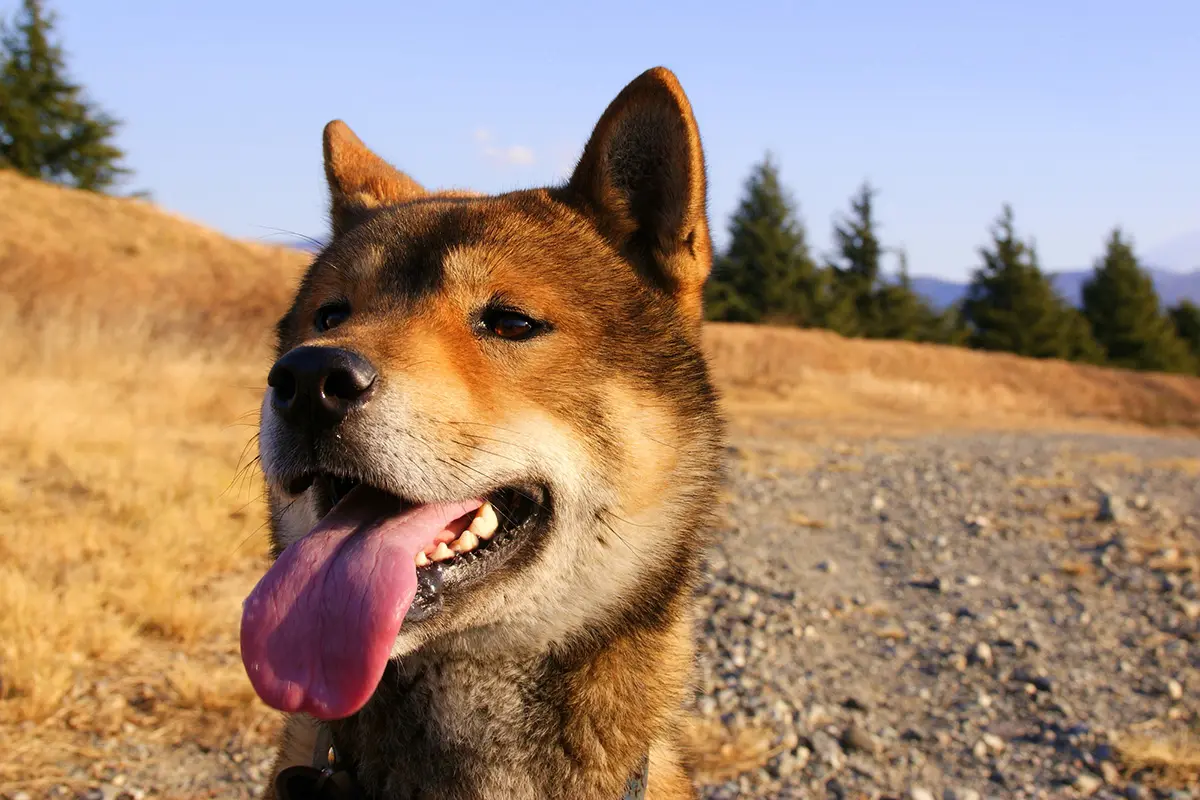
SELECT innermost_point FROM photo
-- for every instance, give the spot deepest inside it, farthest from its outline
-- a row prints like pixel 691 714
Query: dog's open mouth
pixel 480 537
pixel 318 629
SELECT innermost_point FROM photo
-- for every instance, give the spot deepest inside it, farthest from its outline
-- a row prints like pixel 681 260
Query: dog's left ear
pixel 359 180
pixel 642 178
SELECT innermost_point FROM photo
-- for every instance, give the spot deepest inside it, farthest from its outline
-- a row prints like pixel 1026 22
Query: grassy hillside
pixel 135 350
pixel 111 266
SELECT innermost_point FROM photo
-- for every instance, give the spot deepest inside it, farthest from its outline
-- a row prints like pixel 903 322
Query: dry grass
pixel 719 753
pixel 1162 760
pixel 1075 567
pixel 819 375
pixel 1067 481
pixel 135 350
pixel 804 521
pixel 127 539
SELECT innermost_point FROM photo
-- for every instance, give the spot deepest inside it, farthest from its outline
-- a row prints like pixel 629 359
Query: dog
pixel 492 448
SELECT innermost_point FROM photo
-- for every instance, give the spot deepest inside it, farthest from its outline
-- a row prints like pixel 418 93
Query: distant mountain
pixel 1172 286
pixel 938 291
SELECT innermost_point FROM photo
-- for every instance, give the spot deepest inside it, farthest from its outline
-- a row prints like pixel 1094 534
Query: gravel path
pixel 942 617
pixel 955 617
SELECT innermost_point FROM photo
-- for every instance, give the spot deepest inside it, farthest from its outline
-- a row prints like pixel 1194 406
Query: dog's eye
pixel 510 325
pixel 331 315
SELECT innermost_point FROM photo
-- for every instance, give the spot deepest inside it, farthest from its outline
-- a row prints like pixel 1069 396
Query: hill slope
pixel 125 263
pixel 122 265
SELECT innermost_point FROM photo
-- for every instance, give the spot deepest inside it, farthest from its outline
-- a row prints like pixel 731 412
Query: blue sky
pixel 1081 114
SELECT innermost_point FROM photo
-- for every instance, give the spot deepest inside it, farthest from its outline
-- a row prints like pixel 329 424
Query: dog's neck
pixel 572 723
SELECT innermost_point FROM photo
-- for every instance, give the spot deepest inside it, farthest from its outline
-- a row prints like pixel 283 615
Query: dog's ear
pixel 642 178
pixel 358 179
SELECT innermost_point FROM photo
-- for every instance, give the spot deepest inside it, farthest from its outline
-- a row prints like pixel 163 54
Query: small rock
pixel 933 585
pixel 1041 683
pixel 917 793
pixel 1141 502
pixel 878 503
pixel 956 662
pixel 993 742
pixel 960 794
pixel 22 796
pixel 973 581
pixel 1112 508
pixel 1174 689
pixel 858 738
pixel 980 751
pixel 855 703
pixel 828 750
pixel 1112 775
pixel 792 762
pixel 981 654
pixel 827 566
pixel 1086 783
pixel 818 716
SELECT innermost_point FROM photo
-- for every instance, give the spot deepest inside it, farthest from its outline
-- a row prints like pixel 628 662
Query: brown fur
pixel 554 676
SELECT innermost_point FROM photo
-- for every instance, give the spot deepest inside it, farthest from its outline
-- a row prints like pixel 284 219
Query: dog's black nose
pixel 320 385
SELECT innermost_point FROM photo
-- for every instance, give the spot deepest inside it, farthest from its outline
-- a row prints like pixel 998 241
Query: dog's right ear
pixel 359 180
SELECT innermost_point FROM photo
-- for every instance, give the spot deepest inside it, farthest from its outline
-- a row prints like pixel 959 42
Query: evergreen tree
pixel 863 302
pixel 1120 302
pixel 766 274
pixel 854 309
pixel 949 327
pixel 901 313
pixel 1186 318
pixel 48 129
pixel 1012 306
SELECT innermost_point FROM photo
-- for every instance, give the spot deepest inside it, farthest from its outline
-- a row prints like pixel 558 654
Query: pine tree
pixel 1012 306
pixel 48 129
pixel 863 302
pixel 949 327
pixel 1121 303
pixel 1186 318
pixel 854 307
pixel 901 313
pixel 766 274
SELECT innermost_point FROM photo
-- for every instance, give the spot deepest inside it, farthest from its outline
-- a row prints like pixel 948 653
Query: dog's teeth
pixel 421 559
pixel 485 522
pixel 465 543
pixel 442 552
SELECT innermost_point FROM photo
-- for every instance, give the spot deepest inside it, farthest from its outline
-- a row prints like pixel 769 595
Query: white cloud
pixel 513 155
pixel 518 154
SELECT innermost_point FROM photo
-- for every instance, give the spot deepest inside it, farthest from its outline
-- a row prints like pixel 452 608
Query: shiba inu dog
pixel 492 448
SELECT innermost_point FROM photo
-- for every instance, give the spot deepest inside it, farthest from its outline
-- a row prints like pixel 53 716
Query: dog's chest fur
pixel 461 727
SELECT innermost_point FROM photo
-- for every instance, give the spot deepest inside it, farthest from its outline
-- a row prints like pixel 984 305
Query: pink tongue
pixel 318 628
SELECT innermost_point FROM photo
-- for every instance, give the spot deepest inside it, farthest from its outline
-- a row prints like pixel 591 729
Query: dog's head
pixel 490 422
